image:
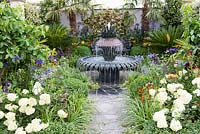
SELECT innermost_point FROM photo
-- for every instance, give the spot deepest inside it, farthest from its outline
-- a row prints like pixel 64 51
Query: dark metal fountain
pixel 108 60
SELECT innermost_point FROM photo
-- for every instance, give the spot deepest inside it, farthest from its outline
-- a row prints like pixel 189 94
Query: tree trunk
pixel 145 21
pixel 72 21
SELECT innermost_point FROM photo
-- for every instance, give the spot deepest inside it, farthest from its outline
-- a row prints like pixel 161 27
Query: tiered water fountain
pixel 108 60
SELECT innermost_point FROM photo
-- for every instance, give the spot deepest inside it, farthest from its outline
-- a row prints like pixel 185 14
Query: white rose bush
pixel 166 103
pixel 23 113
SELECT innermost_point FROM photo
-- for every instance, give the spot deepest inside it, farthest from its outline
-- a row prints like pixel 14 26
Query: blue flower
pixel 39 62
pixel 50 57
pixel 172 50
pixel 16 58
pixel 153 57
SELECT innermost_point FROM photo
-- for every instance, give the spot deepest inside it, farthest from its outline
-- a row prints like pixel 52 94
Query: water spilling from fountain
pixel 108 63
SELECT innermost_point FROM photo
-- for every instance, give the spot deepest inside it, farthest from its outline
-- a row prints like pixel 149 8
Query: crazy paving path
pixel 107 118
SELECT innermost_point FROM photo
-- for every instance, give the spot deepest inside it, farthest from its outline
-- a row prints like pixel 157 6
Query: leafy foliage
pixel 191 25
pixel 82 51
pixel 121 21
pixel 57 36
pixel 20 42
pixel 171 12
pixel 32 14
pixel 165 37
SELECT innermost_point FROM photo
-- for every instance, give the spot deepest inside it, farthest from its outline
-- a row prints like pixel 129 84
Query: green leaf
pixel 1 65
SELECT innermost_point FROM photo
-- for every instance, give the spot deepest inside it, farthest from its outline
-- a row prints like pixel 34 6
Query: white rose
pixel 196 81
pixel 20 130
pixel 160 115
pixel 161 97
pixel 22 109
pixel 44 99
pixel 28 128
pixel 152 92
pixel 23 102
pixel 163 81
pixel 12 97
pixel 1 114
pixel 25 91
pixel 44 125
pixel 32 102
pixel 62 114
pixel 162 124
pixel 175 125
pixel 10 116
pixel 173 87
pixel 37 88
pixel 162 90
pixel 11 107
pixel 197 92
pixel 12 125
pixel 36 126
pixel 29 110
pixel 183 96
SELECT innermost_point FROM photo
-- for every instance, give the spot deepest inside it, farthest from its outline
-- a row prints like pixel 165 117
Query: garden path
pixel 107 116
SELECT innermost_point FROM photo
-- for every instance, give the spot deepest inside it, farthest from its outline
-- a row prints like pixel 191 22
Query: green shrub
pixel 82 51
pixel 165 37
pixel 138 50
pixel 57 35
pixel 171 12
pixel 20 42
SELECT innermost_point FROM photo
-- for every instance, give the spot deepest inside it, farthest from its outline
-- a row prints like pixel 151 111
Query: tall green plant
pixel 57 35
pixel 165 37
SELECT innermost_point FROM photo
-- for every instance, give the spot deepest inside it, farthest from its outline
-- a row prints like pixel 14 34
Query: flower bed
pixel 164 101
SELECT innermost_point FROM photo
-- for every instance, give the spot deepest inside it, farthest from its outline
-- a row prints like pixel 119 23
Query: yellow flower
pixel 82 42
pixel 54 53
pixel 168 38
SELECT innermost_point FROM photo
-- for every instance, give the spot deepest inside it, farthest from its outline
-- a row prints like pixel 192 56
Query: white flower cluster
pixel 182 73
pixel 37 88
pixel 196 81
pixel 35 126
pixel 12 97
pixel 11 107
pixel 182 98
pixel 197 92
pixel 174 87
pixel 160 118
pixel 161 96
pixel 26 105
pixel 44 99
pixel 11 122
pixel 62 114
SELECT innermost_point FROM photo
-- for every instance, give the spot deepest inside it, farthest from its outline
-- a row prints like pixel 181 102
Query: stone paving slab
pixel 107 115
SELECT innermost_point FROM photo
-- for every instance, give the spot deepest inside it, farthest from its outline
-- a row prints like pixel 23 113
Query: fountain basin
pixel 109 71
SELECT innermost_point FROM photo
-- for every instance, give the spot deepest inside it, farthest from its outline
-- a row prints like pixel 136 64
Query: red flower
pixel 142 98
